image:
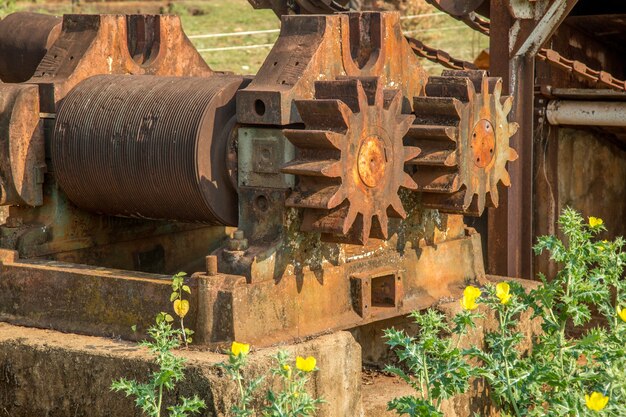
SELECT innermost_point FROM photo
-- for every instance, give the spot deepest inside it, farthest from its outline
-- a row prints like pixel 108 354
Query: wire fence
pixel 251 33
pixel 266 31
pixel 269 45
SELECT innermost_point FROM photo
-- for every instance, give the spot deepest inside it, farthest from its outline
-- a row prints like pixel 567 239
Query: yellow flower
pixel 306 365
pixel 595 222
pixel 470 295
pixel 240 349
pixel 287 368
pixel 596 401
pixel 502 292
pixel 621 313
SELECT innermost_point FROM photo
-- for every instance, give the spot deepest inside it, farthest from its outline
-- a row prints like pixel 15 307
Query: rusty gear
pixel 350 159
pixel 462 129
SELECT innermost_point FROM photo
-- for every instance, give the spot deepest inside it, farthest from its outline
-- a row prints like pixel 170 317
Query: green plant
pixel 502 365
pixel 237 360
pixel 575 367
pixel 567 369
pixel 431 364
pixel 180 305
pixel 292 400
pixel 7 7
pixel 149 395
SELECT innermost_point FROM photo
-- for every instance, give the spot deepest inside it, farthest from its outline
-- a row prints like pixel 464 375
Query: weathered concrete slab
pixel 48 373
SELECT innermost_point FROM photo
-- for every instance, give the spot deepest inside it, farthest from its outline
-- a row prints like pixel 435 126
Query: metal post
pixel 586 113
pixel 513 58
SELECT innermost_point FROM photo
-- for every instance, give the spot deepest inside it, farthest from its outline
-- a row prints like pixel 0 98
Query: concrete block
pixel 47 373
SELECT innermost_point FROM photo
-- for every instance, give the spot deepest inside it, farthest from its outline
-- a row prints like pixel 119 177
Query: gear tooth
pixel 452 159
pixel 467 199
pixel 507 104
pixel 337 198
pixel 434 156
pixel 494 196
pixel 405 122
pixel 397 208
pixel 506 179
pixel 485 87
pixel 432 110
pixel 314 139
pixel 317 168
pixel 333 170
pixel 383 220
pixel 497 90
pixel 513 128
pixel 450 203
pixel 481 202
pixel 318 198
pixel 407 182
pixel 324 114
pixel 379 97
pixel 512 155
pixel 458 87
pixel 371 86
pixel 366 228
pixel 390 100
pixel 362 97
pixel 437 180
pixel 432 132
pixel 411 152
pixel 460 108
pixel 349 220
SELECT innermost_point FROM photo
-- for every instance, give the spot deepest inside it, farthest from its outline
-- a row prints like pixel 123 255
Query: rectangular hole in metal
pixel 384 291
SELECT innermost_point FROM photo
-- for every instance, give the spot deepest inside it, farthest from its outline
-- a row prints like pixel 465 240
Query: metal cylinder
pixel 586 113
pixel 149 147
pixel 24 40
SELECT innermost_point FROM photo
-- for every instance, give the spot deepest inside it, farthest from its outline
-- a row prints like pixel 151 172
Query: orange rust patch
pixel 372 161
pixel 483 143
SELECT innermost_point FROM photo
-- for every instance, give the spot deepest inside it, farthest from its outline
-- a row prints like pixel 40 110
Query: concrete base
pixel 53 374
pixel 47 373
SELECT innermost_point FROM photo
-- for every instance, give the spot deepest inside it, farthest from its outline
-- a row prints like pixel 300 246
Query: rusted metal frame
pixel 106 302
pixel 136 44
pixel 24 40
pixel 513 45
pixel 541 29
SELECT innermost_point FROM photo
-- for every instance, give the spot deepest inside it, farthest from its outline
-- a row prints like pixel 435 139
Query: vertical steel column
pixel 512 53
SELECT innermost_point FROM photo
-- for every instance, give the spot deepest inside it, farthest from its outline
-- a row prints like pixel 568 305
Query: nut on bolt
pixel 238 242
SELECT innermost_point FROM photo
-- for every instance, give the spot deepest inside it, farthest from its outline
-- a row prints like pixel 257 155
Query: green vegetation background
pixel 225 16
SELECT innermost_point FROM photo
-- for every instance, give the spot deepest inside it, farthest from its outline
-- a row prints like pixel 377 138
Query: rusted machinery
pixel 345 168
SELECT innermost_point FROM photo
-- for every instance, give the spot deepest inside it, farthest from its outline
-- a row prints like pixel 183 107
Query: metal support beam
pixel 518 31
pixel 543 26
pixel 586 113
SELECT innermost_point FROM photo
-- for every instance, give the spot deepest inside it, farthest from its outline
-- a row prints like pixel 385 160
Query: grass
pixel 225 16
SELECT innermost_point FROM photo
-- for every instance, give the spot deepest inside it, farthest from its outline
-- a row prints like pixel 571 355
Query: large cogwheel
pixel 462 129
pixel 350 159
